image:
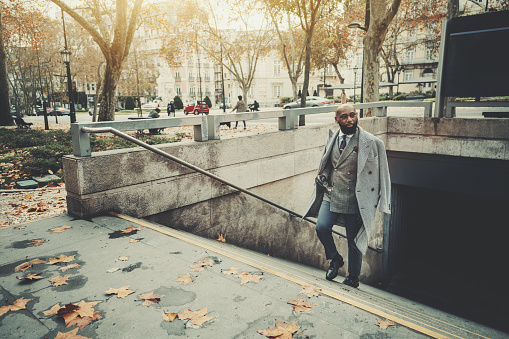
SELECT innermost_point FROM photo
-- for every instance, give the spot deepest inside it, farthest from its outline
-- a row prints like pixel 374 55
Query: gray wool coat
pixel 373 185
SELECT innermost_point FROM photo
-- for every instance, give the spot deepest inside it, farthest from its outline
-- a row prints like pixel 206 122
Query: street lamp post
pixel 399 71
pixel 358 26
pixel 66 56
pixel 354 81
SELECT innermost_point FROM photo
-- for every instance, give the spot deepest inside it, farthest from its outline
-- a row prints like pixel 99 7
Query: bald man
pixel 353 179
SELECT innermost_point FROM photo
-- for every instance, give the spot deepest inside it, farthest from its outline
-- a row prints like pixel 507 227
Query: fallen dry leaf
pixel 150 298
pixel 86 308
pixel 53 310
pixel 310 291
pixel 82 322
pixel 232 270
pixel 281 331
pixel 61 258
pixel 18 304
pixel 220 237
pixel 57 281
pixel 131 229
pixel 170 316
pixel 36 243
pixel 301 305
pixel 197 268
pixel 206 262
pixel 31 276
pixel 26 265
pixel 197 317
pixel 60 229
pixel 121 292
pixel 123 258
pixel 68 267
pixel 246 277
pixel 134 240
pixel 186 279
pixel 385 323
pixel 70 335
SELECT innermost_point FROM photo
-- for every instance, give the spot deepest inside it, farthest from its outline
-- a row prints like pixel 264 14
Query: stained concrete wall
pixel 279 166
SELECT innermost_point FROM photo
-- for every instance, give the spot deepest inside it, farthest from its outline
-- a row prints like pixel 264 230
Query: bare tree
pixel 115 47
pixel 5 107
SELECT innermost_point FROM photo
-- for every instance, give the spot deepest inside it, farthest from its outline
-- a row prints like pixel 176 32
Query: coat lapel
pixel 348 149
pixel 364 146
pixel 333 135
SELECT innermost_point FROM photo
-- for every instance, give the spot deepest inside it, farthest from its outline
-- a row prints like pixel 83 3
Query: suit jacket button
pixel 370 172
pixel 372 189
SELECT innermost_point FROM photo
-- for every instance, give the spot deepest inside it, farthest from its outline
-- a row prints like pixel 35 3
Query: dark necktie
pixel 343 144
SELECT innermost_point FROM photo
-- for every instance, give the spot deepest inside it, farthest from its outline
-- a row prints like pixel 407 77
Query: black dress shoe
pixel 335 264
pixel 351 281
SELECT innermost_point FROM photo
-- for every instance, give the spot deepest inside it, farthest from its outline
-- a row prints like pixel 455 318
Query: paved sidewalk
pixel 111 258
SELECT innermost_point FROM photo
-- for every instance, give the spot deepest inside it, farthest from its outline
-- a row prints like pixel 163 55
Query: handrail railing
pixel 208 127
pixel 202 171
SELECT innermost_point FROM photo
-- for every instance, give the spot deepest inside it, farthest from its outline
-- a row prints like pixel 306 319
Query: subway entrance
pixel 448 247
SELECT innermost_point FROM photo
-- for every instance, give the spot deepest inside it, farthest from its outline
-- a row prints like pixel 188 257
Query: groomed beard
pixel 348 130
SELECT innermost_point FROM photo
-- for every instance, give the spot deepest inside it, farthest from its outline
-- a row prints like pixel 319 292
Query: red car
pixel 197 108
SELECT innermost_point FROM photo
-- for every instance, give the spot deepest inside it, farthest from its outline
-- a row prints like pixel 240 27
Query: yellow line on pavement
pixel 377 310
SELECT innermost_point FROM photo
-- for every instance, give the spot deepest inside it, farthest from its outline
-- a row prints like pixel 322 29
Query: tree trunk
pixel 5 107
pixel 453 8
pixel 305 85
pixel 108 91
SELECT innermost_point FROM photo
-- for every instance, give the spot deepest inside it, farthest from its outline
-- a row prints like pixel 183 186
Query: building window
pixel 179 90
pixel 207 90
pixel 410 54
pixel 358 60
pixel 192 91
pixel 277 67
pixel 358 77
pixel 409 74
pixel 191 77
pixel 207 76
pixel 429 53
pixel 177 75
pixel 277 91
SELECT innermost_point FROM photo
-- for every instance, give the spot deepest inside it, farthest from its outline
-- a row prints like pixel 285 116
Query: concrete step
pixel 161 255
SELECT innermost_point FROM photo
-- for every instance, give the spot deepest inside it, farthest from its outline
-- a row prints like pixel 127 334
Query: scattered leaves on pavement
pixel 131 229
pixel 383 324
pixel 232 270
pixel 57 281
pixel 81 322
pixel 281 331
pixel 197 317
pixel 36 243
pixel 301 305
pixel 70 335
pixel 310 291
pixel 18 304
pixel 199 266
pixel 221 237
pixel 31 276
pixel 60 229
pixel 68 267
pixel 26 265
pixel 121 292
pixel 61 258
pixel 186 279
pixel 150 298
pixel 169 317
pixel 75 314
pixel 246 277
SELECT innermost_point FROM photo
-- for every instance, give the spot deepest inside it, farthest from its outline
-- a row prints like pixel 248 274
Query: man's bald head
pixel 346 117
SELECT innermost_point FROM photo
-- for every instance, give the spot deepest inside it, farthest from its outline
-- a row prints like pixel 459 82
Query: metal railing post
pixel 80 141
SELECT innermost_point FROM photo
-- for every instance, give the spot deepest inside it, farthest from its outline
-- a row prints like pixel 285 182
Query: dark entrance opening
pixel 449 251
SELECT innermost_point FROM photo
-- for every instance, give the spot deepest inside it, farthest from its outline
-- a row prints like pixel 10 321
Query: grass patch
pixel 27 153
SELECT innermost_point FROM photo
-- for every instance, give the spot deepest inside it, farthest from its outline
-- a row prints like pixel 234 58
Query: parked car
pixel 60 111
pixel 310 102
pixel 197 108
pixel 91 109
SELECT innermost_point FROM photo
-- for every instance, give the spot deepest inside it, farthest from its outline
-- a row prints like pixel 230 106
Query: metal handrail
pixel 202 171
